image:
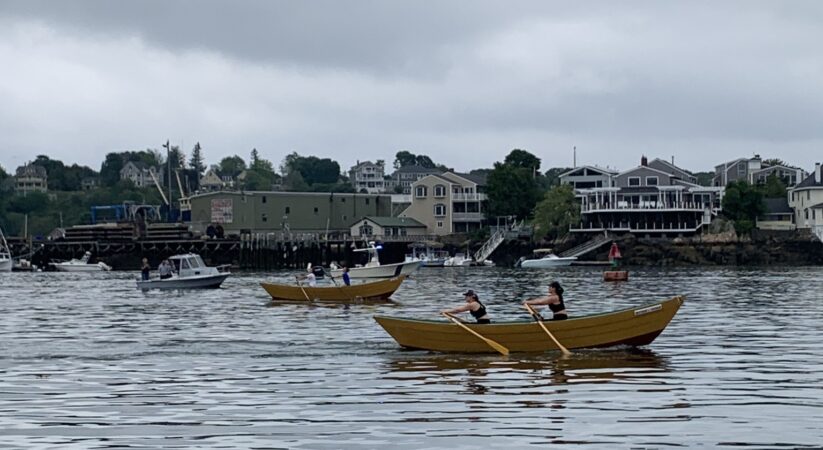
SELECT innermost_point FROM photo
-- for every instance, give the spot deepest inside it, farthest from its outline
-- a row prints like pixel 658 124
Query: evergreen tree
pixel 196 162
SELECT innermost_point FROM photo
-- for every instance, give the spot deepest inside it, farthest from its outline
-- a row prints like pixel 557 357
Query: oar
pixel 301 288
pixel 342 290
pixel 492 344
pixel 559 345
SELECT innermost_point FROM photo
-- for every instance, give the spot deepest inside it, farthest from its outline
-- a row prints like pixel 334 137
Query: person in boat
pixel 473 307
pixel 346 277
pixel 164 269
pixel 554 301
pixel 310 278
pixel 145 270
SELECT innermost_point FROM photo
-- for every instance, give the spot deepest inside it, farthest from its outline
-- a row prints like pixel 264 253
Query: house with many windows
pixel 31 178
pixel 586 177
pixel 405 176
pixel 140 173
pixel 755 171
pixel 806 200
pixel 367 177
pixel 448 203
pixel 648 200
pixel 387 228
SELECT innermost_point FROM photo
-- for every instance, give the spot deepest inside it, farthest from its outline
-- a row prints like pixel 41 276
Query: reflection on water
pixel 88 361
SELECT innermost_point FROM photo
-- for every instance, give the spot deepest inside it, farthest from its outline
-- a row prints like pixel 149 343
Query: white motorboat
pixel 427 256
pixel 461 260
pixel 373 268
pixel 190 272
pixel 81 265
pixel 5 254
pixel 548 259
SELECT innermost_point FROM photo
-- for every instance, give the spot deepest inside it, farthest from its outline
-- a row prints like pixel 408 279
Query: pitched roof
pixel 809 182
pixel 418 169
pixel 476 178
pixel 598 169
pixel 778 206
pixel 385 221
pixel 672 166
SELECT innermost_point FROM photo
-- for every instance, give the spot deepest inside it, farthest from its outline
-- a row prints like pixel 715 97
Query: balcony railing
pixel 646 206
pixel 467 217
pixel 468 197
pixel 640 227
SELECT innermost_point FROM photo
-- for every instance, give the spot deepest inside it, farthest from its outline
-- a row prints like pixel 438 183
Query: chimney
pixel 817 173
pixel 644 161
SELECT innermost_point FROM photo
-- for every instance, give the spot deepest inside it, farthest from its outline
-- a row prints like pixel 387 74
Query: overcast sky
pixel 461 81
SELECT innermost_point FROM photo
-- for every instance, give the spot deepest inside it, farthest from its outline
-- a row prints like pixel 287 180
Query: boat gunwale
pixel 680 298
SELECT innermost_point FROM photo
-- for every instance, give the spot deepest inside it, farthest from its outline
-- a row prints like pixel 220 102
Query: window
pixel 264 199
pixel 439 210
pixel 439 224
pixel 316 211
pixel 367 201
pixel 345 218
pixel 440 191
pixel 741 169
pixel 288 209
pixel 366 230
pixel 634 181
pixel 420 191
pixel 343 200
pixel 651 181
pixel 264 217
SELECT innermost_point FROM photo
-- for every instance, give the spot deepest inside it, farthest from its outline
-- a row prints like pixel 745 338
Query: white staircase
pixel 491 244
pixel 588 246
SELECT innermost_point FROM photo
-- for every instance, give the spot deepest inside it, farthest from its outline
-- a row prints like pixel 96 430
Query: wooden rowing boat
pixel 378 290
pixel 633 327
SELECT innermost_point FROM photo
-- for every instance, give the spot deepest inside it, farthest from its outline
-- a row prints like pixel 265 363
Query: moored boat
pixel 373 268
pixel 371 291
pixel 81 265
pixel 633 327
pixel 546 259
pixel 5 254
pixel 190 272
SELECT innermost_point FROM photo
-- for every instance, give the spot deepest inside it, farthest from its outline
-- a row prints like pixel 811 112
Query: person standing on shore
pixel 554 301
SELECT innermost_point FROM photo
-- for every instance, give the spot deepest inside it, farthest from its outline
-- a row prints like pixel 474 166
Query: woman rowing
pixel 554 300
pixel 473 307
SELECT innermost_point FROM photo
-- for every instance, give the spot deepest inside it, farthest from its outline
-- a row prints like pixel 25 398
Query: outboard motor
pixel 318 272
pixel 520 261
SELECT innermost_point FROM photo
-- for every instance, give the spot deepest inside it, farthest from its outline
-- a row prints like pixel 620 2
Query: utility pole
pixel 574 157
pixel 168 179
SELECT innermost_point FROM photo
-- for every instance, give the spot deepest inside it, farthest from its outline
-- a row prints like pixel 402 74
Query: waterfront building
pixel 211 181
pixel 367 177
pixel 648 200
pixel 448 203
pixel 141 174
pixel 806 200
pixel 585 177
pixel 89 183
pixel 405 176
pixel 290 212
pixel 778 216
pixel 755 171
pixel 385 228
pixel 31 178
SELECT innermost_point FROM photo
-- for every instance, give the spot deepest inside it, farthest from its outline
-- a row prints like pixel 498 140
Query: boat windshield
pixel 184 264
pixel 196 262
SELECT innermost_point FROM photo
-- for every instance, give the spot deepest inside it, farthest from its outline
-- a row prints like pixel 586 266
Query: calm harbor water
pixel 87 361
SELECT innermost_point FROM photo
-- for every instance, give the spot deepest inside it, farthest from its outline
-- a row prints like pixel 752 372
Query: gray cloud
pixel 462 81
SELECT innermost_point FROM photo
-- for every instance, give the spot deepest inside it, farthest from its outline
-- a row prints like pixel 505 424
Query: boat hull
pixel 5 265
pixel 196 282
pixel 374 291
pixel 616 275
pixel 65 267
pixel 381 271
pixel 633 327
pixel 544 263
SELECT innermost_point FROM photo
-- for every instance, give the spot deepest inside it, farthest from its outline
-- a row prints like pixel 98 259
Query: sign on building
pixel 222 210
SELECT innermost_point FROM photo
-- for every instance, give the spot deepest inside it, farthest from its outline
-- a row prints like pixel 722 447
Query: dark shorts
pixel 484 321
pixel 163 277
pixel 560 317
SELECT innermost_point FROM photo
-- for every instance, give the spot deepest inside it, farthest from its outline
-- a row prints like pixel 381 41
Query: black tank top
pixel 557 307
pixel 481 311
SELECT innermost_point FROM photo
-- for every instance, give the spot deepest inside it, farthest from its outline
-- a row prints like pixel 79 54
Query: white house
pixel 806 199
pixel 368 176
pixel 387 228
pixel 140 173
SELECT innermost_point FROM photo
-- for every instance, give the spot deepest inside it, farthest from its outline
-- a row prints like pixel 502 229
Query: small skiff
pixel 374 291
pixel 633 327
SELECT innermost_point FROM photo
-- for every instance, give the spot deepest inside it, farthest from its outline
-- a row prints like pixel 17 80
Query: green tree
pixel 404 158
pixel 742 203
pixel 522 159
pixel 773 187
pixel 512 191
pixel 231 166
pixel 556 212
pixel 424 161
pixel 196 163
pixel 294 182
pixel 552 176
pixel 773 162
pixel 704 178
pixel 29 203
pixel 312 169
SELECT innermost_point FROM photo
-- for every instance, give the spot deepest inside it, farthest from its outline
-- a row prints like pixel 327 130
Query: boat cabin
pixel 191 265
